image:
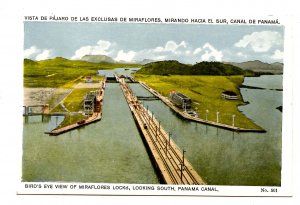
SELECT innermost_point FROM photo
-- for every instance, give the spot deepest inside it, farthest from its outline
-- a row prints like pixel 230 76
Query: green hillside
pixel 60 71
pixel 171 67
pixel 215 68
pixel 202 68
pixel 205 92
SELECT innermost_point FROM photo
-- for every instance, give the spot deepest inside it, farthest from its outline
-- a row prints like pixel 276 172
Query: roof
pixel 180 95
pixel 228 92
pixel 90 96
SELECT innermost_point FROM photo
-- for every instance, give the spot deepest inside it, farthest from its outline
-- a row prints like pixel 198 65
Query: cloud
pixel 240 54
pixel 37 54
pixel 31 52
pixel 104 44
pixel 46 54
pixel 197 50
pixel 260 41
pixel 171 50
pixel 127 57
pixel 101 48
pixel 160 58
pixel 277 55
pixel 181 51
pixel 211 53
pixel 171 46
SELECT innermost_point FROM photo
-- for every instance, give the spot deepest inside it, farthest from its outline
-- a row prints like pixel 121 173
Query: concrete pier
pixel 196 119
pixel 96 116
pixel 174 168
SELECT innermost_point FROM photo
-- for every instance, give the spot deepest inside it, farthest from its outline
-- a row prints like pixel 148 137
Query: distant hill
pixel 59 71
pixel 29 62
pixel 202 68
pixel 258 66
pixel 216 68
pixel 164 68
pixel 98 59
pixel 145 61
pixel 60 62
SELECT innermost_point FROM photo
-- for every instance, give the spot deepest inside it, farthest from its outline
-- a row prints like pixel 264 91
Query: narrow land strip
pixel 96 116
pixel 173 166
pixel 196 119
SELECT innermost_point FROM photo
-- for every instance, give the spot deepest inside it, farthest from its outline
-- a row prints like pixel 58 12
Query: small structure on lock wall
pixel 89 103
pixel 88 79
pixel 181 100
pixel 229 95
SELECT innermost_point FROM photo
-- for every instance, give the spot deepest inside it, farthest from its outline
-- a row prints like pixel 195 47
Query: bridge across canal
pixel 36 110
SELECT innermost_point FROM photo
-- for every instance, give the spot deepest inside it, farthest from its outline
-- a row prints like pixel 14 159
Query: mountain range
pixel 98 59
pixel 258 66
pixel 107 59
pixel 172 67
pixel 248 66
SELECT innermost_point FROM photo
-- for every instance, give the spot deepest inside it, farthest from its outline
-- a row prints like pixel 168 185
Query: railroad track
pixel 174 167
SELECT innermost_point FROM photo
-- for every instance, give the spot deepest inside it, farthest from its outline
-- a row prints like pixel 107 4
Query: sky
pixel 132 42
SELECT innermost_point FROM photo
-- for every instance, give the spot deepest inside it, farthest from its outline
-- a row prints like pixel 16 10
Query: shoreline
pixel 196 119
pixel 207 101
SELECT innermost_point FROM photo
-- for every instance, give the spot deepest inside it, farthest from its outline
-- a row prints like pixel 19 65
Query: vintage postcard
pixel 154 106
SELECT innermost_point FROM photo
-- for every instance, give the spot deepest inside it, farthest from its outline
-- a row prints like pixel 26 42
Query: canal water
pixel 224 157
pixel 264 101
pixel 110 150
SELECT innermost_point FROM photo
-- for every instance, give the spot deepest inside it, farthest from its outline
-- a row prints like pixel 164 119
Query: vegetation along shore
pixel 203 82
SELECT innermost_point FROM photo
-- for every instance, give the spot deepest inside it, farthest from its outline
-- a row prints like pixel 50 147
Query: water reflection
pixel 55 121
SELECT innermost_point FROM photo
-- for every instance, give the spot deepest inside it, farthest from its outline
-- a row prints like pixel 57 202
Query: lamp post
pixel 56 121
pixel 206 115
pixel 218 117
pixel 233 116
pixel 182 164
pixel 197 112
pixel 159 126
